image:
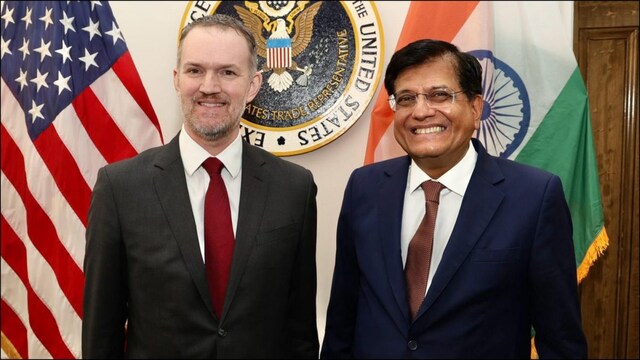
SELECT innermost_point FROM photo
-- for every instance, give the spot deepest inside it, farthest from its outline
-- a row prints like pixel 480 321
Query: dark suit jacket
pixel 143 264
pixel 509 264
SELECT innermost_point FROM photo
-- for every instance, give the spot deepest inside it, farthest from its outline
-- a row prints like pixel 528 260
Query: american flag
pixel 72 101
pixel 278 53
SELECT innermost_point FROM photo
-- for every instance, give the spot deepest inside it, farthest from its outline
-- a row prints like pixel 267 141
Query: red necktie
pixel 218 234
pixel 419 253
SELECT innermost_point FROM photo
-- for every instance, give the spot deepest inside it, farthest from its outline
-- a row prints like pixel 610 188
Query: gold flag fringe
pixel 9 349
pixel 534 352
pixel 596 249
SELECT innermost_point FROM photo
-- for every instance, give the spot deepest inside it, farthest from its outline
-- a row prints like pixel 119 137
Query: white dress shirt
pixel 456 181
pixel 198 179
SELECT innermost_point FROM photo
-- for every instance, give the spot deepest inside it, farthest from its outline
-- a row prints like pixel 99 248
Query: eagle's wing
pixel 254 24
pixel 304 29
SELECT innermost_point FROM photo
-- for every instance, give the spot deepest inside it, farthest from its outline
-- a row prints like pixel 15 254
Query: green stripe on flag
pixel 563 145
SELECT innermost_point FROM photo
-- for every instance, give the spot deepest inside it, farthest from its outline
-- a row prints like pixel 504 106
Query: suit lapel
pixel 390 202
pixel 171 187
pixel 253 197
pixel 481 201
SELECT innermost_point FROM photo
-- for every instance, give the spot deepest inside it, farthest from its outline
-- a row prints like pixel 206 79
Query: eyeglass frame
pixel 393 103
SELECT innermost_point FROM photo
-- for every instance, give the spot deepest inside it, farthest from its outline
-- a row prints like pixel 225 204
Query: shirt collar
pixel 193 154
pixel 456 179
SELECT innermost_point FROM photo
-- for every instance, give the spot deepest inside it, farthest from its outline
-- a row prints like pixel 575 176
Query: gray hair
pixel 224 22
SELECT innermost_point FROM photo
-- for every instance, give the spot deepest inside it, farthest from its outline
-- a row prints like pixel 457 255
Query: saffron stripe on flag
pixel 444 24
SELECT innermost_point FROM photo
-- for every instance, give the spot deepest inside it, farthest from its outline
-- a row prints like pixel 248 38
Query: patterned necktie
pixel 419 253
pixel 218 234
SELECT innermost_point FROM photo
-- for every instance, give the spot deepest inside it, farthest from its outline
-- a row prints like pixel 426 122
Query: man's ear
pixel 254 86
pixel 477 105
pixel 176 80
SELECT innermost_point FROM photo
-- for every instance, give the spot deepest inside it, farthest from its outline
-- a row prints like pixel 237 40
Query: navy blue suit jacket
pixel 509 265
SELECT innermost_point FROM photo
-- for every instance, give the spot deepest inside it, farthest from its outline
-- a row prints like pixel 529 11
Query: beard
pixel 211 132
pixel 209 128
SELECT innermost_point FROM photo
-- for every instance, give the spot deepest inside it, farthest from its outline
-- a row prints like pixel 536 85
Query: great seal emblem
pixel 321 62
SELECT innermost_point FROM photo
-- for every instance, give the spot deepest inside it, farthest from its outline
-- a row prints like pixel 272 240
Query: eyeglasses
pixel 440 99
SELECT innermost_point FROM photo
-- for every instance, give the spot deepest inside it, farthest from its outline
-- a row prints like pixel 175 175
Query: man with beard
pixel 168 274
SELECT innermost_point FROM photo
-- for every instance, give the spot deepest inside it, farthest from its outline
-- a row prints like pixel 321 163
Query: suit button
pixel 412 345
pixel 222 332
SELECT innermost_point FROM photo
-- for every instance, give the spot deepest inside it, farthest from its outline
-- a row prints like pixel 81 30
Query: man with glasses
pixel 450 252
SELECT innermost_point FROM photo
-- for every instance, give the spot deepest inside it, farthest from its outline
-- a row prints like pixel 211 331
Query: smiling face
pixel 215 80
pixel 437 137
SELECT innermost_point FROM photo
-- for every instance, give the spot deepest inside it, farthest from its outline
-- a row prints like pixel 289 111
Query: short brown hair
pixel 224 22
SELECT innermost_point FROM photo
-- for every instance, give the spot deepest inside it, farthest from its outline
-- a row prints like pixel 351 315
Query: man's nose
pixel 422 108
pixel 210 84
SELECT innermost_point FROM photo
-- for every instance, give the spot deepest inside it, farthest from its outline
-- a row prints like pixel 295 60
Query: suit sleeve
pixel 105 294
pixel 303 321
pixel 341 313
pixel 556 307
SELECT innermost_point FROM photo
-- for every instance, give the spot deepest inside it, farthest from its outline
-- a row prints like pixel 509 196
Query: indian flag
pixel 536 108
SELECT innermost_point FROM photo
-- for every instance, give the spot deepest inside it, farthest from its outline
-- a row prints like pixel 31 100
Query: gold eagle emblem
pixel 279 48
